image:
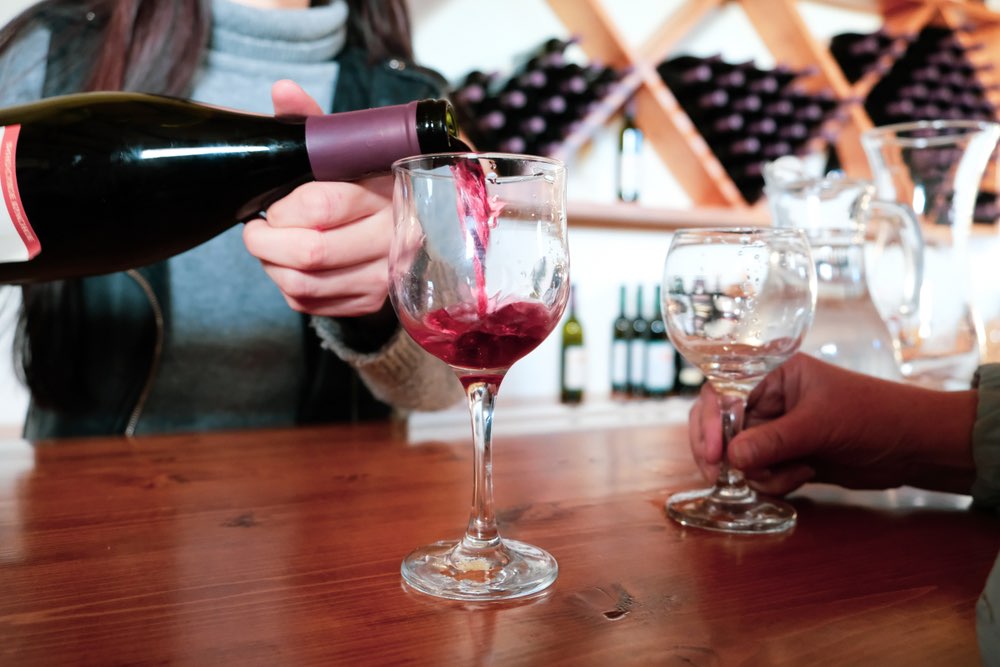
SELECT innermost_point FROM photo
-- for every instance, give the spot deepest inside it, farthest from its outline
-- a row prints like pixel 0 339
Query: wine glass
pixel 737 304
pixel 479 276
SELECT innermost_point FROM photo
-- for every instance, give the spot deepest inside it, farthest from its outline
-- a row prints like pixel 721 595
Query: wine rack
pixel 678 133
pixel 537 106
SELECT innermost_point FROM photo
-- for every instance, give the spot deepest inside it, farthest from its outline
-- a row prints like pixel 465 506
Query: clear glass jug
pixel 837 214
pixel 935 168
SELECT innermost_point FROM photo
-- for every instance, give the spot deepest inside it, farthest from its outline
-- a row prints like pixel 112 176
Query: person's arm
pixel 811 421
pixel 326 246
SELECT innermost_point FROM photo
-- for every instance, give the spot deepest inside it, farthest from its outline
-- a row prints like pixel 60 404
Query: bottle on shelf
pixel 637 349
pixel 573 367
pixel 689 377
pixel 629 171
pixel 621 337
pixel 661 356
pixel 103 182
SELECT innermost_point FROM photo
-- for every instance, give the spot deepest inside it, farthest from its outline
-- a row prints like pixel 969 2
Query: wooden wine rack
pixel 780 25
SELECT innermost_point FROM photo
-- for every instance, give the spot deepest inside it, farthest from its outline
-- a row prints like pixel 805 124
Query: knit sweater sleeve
pixel 400 374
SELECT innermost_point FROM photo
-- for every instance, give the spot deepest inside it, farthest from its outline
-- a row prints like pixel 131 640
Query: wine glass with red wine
pixel 737 304
pixel 479 276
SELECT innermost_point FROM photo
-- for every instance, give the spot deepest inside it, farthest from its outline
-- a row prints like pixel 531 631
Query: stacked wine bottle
pixel 747 115
pixel 933 79
pixel 859 54
pixel 535 107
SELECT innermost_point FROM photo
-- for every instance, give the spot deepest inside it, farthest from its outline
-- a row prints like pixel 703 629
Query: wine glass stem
pixel 731 480
pixel 482 533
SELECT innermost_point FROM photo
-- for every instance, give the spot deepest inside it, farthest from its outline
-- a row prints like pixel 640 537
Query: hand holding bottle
pixel 325 244
pixel 812 421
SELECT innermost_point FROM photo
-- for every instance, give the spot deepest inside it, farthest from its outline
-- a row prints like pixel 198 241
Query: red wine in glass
pixel 486 343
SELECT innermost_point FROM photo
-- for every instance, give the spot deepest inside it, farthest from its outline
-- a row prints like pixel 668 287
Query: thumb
pixel 786 439
pixel 290 99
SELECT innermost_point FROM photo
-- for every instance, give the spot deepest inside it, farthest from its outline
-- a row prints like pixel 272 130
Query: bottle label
pixel 575 368
pixel 660 369
pixel 619 363
pixel 637 358
pixel 18 242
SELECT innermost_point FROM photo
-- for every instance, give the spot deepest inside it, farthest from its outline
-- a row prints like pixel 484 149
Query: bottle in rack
pixel 573 366
pixel 629 156
pixel 621 336
pixel 637 350
pixel 660 355
pixel 102 182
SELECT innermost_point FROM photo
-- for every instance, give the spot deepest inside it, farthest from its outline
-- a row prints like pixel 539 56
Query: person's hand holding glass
pixel 479 276
pixel 737 304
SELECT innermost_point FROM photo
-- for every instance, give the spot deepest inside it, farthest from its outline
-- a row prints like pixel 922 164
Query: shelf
pixel 638 217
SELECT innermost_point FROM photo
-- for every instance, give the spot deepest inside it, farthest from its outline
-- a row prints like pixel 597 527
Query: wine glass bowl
pixel 479 277
pixel 737 303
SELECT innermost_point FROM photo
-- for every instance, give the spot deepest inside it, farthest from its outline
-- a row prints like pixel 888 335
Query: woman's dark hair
pixel 153 46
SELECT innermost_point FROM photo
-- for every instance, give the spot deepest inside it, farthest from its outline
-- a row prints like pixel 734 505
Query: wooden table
pixel 283 548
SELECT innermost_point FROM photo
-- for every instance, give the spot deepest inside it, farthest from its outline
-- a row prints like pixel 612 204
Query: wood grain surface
pixel 283 548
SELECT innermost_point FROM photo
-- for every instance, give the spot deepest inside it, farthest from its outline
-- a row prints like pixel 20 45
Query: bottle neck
pixel 353 144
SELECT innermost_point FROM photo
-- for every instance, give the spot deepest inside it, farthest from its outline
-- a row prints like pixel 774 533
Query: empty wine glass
pixel 737 304
pixel 479 276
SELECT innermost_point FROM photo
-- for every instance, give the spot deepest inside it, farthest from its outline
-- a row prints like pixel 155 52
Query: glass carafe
pixel 836 215
pixel 935 168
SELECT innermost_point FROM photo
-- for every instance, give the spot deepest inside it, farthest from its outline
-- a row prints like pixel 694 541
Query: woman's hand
pixel 811 421
pixel 325 244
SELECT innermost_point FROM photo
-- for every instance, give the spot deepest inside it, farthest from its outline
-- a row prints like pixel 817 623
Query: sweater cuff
pixel 986 438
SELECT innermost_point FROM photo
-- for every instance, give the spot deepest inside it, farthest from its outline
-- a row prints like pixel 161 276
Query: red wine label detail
pixel 18 242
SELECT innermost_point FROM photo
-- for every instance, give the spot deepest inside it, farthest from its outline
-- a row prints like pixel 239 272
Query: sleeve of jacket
pixel 986 439
pixel 986 495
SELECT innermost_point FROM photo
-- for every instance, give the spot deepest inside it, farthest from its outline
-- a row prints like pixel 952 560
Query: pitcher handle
pixel 911 242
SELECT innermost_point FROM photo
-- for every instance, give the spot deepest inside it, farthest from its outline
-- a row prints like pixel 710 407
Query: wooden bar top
pixel 283 548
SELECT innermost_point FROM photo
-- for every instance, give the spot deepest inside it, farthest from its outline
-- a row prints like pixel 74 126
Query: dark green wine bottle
pixel 573 368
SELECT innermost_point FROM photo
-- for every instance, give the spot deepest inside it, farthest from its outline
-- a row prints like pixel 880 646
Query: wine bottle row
pixel 535 107
pixel 858 54
pixel 747 115
pixel 932 79
pixel 644 363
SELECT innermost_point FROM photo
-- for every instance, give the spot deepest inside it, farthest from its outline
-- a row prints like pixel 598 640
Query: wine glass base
pixel 512 570
pixel 747 513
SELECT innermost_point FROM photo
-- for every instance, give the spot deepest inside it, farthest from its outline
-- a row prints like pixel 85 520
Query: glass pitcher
pixel 935 168
pixel 837 214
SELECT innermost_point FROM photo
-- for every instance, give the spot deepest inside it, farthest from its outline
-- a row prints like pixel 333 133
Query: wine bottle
pixel 689 377
pixel 629 156
pixel 573 369
pixel 102 182
pixel 660 355
pixel 621 335
pixel 637 350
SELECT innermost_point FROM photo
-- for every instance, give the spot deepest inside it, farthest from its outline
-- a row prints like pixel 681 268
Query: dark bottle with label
pixel 621 336
pixel 573 366
pixel 661 357
pixel 102 182
pixel 637 350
